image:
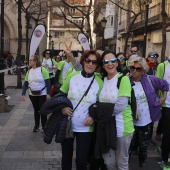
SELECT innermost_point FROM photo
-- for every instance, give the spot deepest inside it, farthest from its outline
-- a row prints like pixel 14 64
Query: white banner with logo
pixel 36 38
pixel 83 41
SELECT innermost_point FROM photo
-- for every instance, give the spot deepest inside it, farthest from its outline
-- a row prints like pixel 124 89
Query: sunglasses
pixel 121 58
pixel 112 60
pixel 138 69
pixel 134 51
pixel 154 56
pixel 88 61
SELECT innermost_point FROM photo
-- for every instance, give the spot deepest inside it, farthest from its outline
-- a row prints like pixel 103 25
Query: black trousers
pixel 37 102
pixel 83 143
pixel 159 127
pixel 142 134
pixel 166 133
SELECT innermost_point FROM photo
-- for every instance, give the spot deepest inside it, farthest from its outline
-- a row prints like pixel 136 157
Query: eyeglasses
pixel 112 60
pixel 88 61
pixel 134 51
pixel 138 69
pixel 121 58
pixel 154 56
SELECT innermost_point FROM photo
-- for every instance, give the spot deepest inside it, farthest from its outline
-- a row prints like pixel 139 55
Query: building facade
pixel 64 22
pixel 127 18
pixel 11 30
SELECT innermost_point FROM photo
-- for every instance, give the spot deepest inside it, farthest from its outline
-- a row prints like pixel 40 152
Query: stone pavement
pixel 21 149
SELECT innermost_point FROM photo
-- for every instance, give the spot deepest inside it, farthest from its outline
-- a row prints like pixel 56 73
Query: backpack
pixel 132 101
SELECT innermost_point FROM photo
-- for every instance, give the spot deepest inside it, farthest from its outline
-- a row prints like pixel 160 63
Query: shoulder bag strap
pixel 149 80
pixel 84 93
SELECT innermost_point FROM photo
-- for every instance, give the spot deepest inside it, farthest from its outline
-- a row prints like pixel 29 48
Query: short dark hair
pixel 120 53
pixel 87 53
pixel 135 45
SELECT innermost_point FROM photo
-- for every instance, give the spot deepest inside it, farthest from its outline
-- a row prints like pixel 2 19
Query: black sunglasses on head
pixel 112 60
pixel 88 61
pixel 138 69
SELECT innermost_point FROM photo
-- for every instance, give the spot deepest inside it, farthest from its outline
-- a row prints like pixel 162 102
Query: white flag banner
pixel 36 38
pixel 83 41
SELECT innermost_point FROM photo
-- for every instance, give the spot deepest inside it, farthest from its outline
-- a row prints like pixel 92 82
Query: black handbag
pixel 37 92
pixel 69 130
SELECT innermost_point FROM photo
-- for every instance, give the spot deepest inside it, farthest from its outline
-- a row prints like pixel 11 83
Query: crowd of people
pixel 107 126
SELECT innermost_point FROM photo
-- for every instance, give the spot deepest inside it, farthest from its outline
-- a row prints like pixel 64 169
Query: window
pixel 58 22
pixel 58 10
pixel 59 34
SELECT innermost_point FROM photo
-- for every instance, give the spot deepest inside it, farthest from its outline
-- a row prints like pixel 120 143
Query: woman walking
pixel 38 81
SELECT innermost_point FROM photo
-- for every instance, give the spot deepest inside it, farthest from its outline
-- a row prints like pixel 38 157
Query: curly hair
pixel 37 60
pixel 86 55
pixel 51 55
pixel 132 60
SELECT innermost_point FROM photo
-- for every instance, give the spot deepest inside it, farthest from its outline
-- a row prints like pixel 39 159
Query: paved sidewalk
pixel 21 149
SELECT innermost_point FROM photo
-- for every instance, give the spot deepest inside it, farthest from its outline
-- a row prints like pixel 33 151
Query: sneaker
pixel 159 151
pixel 158 137
pixel 151 142
pixel 43 129
pixel 164 166
pixel 35 129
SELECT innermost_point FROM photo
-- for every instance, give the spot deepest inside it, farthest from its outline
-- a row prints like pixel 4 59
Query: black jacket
pixel 56 124
pixel 106 128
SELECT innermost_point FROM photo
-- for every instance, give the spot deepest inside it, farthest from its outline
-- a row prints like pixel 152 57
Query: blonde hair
pixel 37 60
pixel 132 60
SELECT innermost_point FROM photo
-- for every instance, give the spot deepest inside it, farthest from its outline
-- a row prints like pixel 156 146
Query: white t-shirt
pixel 75 87
pixel 110 94
pixel 142 105
pixel 167 78
pixel 36 80
pixel 47 63
pixel 66 67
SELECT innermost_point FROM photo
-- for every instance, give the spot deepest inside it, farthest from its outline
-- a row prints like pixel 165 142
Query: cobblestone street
pixel 21 149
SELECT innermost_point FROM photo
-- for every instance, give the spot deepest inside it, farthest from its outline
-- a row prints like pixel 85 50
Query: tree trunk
pixel 145 30
pixel 19 81
pixel 128 33
pixel 164 17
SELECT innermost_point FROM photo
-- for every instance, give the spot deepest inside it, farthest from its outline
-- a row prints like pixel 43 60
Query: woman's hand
pixel 137 117
pixel 88 121
pixel 67 111
pixel 23 98
pixel 161 100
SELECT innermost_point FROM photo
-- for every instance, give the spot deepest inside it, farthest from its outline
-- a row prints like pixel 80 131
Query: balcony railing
pixel 154 15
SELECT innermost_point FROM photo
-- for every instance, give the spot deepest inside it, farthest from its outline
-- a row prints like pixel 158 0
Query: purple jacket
pixel 158 84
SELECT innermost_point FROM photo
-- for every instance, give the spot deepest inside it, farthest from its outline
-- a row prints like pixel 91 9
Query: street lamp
pixel 52 44
pixel 103 22
pixel 50 37
pixel 103 25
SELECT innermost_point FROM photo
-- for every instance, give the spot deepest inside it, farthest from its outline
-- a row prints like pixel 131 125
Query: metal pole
pixel 145 30
pixel 2 60
pixel 103 41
